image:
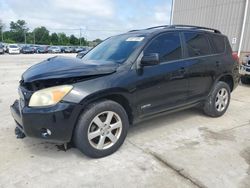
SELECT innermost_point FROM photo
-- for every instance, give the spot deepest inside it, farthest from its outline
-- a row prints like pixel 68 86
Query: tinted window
pixel 167 45
pixel 197 44
pixel 218 43
pixel 13 46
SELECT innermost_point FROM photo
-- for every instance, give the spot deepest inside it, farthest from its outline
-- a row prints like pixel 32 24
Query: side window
pixel 218 43
pixel 168 46
pixel 197 44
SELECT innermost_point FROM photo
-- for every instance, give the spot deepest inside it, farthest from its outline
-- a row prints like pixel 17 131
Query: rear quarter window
pixel 218 43
pixel 196 44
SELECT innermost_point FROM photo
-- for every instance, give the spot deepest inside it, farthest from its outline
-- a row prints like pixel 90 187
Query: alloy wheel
pixel 104 130
pixel 221 99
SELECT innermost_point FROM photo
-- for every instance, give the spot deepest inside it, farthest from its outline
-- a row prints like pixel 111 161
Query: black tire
pixel 210 108
pixel 245 80
pixel 80 138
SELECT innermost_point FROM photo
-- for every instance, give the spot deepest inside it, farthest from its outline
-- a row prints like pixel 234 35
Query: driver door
pixel 163 86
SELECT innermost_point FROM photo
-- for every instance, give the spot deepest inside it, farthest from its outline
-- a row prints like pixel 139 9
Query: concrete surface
pixel 184 149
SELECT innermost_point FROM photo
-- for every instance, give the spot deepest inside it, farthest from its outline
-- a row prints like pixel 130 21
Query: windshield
pixel 116 49
pixel 13 46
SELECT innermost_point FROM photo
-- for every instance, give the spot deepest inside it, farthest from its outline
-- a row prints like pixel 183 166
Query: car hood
pixel 63 67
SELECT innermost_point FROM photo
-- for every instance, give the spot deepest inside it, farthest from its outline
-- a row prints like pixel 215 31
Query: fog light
pixel 45 132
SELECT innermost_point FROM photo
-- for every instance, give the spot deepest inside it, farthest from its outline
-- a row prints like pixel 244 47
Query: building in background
pixel 231 17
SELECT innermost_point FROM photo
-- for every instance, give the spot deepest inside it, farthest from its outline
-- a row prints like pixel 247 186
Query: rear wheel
pixel 101 129
pixel 245 80
pixel 218 100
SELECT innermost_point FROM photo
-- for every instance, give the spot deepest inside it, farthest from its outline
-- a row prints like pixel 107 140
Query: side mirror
pixel 150 59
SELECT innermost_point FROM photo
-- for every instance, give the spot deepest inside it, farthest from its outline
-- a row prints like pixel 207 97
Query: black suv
pixel 125 79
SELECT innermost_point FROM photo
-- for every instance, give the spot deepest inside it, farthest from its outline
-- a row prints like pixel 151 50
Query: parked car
pixel 13 49
pixel 54 49
pixel 1 48
pixel 79 49
pixel 245 70
pixel 63 49
pixel 124 80
pixel 42 49
pixel 68 50
pixel 81 54
pixel 5 47
pixel 27 50
pixel 34 47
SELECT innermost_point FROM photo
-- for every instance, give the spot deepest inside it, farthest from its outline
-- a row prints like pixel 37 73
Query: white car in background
pixel 13 49
pixel 54 49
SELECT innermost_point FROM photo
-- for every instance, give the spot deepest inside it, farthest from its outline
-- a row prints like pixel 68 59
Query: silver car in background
pixel 54 49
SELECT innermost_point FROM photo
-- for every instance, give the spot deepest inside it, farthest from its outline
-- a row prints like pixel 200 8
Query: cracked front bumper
pixel 60 119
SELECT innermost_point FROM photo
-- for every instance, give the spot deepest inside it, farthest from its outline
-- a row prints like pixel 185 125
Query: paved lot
pixel 184 149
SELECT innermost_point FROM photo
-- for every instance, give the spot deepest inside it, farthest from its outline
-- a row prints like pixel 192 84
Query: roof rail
pixel 134 30
pixel 163 26
pixel 181 26
pixel 195 27
pixel 160 26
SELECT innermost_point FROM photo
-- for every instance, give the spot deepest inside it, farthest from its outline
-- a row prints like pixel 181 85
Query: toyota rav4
pixel 127 78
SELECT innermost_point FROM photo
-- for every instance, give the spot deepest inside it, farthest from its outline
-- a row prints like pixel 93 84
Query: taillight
pixel 236 57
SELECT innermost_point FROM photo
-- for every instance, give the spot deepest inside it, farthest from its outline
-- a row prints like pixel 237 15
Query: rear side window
pixel 197 44
pixel 168 46
pixel 218 43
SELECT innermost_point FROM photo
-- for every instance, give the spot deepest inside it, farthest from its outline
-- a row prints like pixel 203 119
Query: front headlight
pixel 49 96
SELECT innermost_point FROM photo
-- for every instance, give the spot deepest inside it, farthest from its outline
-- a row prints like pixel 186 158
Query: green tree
pixel 41 35
pixel 30 38
pixel 63 39
pixel 84 42
pixel 54 39
pixel 18 30
pixel 73 40
pixel 1 30
pixel 97 41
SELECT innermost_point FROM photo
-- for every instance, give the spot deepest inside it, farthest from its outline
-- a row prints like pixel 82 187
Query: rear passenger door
pixel 200 64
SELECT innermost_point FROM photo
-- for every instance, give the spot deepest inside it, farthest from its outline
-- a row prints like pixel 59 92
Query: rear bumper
pixel 59 119
pixel 245 70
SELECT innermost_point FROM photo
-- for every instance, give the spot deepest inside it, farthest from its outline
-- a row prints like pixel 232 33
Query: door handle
pixel 217 63
pixel 182 70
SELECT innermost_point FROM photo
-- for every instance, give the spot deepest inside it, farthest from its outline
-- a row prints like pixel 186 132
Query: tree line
pixel 19 33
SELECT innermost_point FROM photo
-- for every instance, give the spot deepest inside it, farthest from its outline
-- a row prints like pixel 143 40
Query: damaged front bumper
pixel 55 123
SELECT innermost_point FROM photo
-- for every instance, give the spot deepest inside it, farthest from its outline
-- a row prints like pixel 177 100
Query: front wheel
pixel 218 100
pixel 101 129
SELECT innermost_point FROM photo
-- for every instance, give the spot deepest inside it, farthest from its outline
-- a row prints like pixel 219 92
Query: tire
pixel 88 123
pixel 245 80
pixel 214 106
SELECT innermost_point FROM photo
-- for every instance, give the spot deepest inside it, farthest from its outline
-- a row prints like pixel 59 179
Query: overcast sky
pixel 97 18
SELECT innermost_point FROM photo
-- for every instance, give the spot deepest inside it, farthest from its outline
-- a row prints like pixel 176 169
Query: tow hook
pixel 19 134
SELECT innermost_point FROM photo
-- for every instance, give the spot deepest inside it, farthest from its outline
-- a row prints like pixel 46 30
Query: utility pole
pixel 34 35
pixel 25 37
pixel 80 39
pixel 172 12
pixel 243 28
